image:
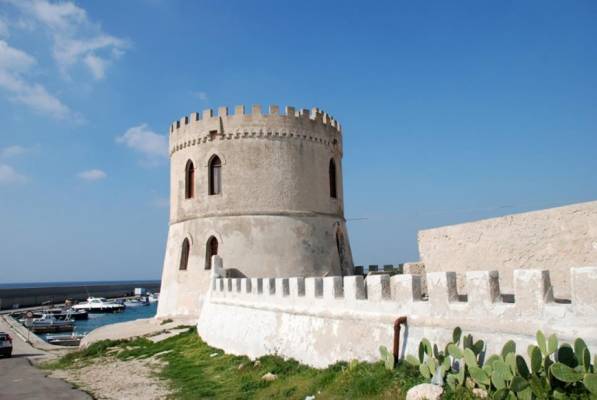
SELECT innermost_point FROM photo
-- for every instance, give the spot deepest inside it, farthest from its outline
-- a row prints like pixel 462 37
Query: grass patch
pixel 198 371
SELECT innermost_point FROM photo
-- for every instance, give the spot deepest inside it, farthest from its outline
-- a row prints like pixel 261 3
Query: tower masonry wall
pixel 274 215
pixel 271 163
pixel 250 246
pixel 319 321
pixel 555 239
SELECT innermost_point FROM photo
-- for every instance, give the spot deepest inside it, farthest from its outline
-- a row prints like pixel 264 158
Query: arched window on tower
pixel 211 249
pixel 189 180
pixel 184 254
pixel 215 175
pixel 332 172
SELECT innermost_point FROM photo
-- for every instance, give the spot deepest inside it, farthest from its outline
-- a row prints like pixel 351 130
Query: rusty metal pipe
pixel 396 350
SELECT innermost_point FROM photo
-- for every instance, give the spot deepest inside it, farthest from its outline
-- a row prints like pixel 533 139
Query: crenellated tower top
pixel 262 189
pixel 314 125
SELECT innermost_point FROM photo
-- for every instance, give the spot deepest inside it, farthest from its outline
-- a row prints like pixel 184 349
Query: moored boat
pixel 65 340
pixel 61 313
pixel 153 297
pixel 136 302
pixel 78 315
pixel 99 305
pixel 48 323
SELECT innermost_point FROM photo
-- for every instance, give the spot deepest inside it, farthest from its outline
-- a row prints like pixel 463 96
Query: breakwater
pixel 34 296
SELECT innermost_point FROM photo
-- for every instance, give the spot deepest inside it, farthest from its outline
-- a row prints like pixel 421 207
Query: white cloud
pixel 13 151
pixel 96 65
pixel 8 175
pixel 24 24
pixel 3 28
pixel 14 64
pixel 151 145
pixel 200 95
pixel 76 39
pixel 92 175
pixel 34 95
pixel 60 16
pixel 14 60
pixel 69 51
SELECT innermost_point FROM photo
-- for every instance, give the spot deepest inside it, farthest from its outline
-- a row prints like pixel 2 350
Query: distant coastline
pixel 27 285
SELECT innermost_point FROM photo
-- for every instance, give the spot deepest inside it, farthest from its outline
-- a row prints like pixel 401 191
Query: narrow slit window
pixel 215 175
pixel 211 249
pixel 341 249
pixel 184 254
pixel 332 172
pixel 189 183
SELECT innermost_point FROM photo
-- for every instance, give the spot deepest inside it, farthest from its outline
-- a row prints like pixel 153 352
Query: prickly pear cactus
pixel 553 370
pixel 387 357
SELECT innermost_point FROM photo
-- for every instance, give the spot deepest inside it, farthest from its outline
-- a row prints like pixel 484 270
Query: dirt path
pixel 21 380
pixel 110 378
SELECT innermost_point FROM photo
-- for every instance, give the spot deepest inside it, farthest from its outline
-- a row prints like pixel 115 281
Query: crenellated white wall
pixel 319 321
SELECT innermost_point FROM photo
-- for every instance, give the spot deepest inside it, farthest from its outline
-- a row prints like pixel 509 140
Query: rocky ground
pixel 110 378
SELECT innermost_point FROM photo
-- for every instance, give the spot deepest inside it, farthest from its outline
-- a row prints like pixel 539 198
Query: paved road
pixel 21 380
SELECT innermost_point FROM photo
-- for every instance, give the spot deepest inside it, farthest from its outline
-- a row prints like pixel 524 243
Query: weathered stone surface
pixel 405 288
pixel 313 287
pixel 274 216
pixel 417 268
pixel 332 287
pixel 354 287
pixel 483 289
pixel 555 239
pixel 425 391
pixel 532 290
pixel 584 291
pixel 378 287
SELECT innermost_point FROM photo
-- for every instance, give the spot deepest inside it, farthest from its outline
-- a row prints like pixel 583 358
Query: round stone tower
pixel 261 190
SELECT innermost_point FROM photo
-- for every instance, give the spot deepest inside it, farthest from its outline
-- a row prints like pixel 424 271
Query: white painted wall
pixel 321 321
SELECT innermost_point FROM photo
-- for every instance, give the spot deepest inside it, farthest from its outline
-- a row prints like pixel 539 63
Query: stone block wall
pixel 555 239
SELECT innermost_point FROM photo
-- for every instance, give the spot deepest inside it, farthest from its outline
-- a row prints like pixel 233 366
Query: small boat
pixel 61 313
pixel 21 316
pixel 48 323
pixel 99 305
pixel 136 302
pixel 153 297
pixel 65 340
pixel 78 315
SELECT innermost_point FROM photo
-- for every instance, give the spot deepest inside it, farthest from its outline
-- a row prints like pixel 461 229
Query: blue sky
pixel 452 111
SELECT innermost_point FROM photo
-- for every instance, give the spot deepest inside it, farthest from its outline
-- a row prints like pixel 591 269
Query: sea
pixel 97 320
pixel 22 285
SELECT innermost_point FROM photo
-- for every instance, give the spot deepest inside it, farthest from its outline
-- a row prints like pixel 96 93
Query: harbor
pixel 21 295
pixel 67 324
